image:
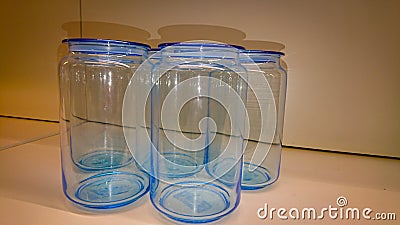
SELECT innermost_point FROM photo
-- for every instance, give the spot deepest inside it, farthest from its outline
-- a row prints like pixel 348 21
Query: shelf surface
pixel 31 193
pixel 15 131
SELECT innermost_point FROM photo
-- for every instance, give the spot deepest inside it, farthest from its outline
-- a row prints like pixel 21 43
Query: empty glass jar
pixel 197 153
pixel 263 148
pixel 98 170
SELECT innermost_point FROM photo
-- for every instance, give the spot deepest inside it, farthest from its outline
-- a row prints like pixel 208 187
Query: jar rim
pixel 264 52
pixel 108 42
pixel 199 44
pixel 241 48
pixel 106 47
pixel 260 56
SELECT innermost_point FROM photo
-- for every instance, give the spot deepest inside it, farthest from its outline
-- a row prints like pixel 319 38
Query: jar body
pixel 197 154
pixel 98 170
pixel 262 155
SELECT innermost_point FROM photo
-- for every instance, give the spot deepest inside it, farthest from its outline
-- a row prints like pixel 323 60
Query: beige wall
pixel 30 40
pixel 342 57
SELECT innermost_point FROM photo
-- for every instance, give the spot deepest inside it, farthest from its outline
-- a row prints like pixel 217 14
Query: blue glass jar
pixel 98 170
pixel 197 154
pixel 264 145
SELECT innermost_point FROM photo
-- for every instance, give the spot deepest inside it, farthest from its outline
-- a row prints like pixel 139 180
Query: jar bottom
pixel 225 171
pixel 194 202
pixel 179 165
pixel 104 159
pixel 256 179
pixel 111 190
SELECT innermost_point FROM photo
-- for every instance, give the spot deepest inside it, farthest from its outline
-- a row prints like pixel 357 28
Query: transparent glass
pixel 196 153
pixel 156 57
pixel 98 171
pixel 259 145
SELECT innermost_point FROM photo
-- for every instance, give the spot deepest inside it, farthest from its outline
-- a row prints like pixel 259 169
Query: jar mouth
pixel 199 50
pixel 203 44
pixel 106 46
pixel 241 48
pixel 264 52
pixel 260 56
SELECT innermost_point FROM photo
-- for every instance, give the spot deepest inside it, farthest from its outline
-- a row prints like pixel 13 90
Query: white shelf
pixel 31 193
pixel 15 131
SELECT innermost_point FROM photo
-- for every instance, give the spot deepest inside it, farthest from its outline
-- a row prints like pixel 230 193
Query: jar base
pixel 225 171
pixel 180 165
pixel 110 190
pixel 257 179
pixel 104 159
pixel 194 202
